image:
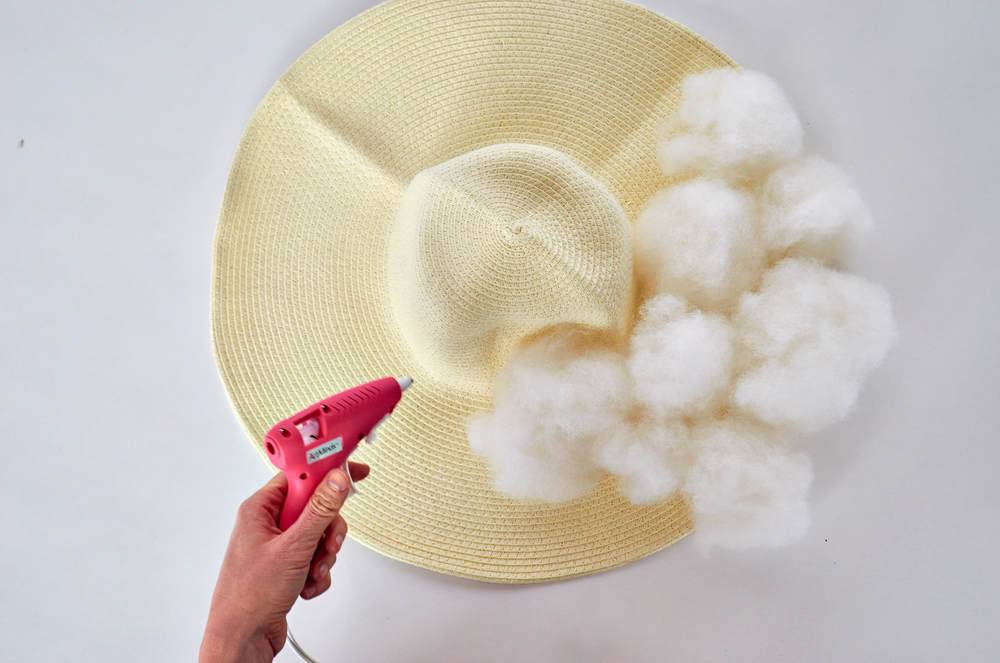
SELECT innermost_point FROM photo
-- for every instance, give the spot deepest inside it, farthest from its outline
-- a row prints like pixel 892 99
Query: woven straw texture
pixel 360 152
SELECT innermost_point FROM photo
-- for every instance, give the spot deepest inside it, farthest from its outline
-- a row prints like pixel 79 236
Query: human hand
pixel 265 569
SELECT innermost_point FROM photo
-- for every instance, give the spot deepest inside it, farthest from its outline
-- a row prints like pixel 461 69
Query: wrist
pixel 224 643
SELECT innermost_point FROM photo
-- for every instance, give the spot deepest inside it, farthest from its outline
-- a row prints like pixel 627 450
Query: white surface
pixel 123 463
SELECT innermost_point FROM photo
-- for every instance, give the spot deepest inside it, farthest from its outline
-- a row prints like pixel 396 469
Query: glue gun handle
pixel 299 492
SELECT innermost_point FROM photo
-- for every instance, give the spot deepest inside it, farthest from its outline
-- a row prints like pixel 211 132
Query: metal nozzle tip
pixel 404 383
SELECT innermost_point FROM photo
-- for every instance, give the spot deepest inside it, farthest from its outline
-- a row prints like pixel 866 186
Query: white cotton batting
pixel 807 339
pixel 554 400
pixel 698 240
pixel 731 122
pixel 746 489
pixel 811 210
pixel 680 359
pixel 649 457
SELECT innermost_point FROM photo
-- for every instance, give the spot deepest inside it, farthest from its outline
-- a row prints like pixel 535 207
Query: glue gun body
pixel 321 437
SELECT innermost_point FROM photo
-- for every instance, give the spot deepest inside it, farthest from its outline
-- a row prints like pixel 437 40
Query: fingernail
pixel 322 570
pixel 338 481
pixel 339 539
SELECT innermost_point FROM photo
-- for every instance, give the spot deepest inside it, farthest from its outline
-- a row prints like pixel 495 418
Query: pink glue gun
pixel 321 437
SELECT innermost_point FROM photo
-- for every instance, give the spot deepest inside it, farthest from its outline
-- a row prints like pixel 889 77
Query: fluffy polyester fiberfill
pixel 746 488
pixel 808 338
pixel 681 359
pixel 699 240
pixel 731 122
pixel 748 337
pixel 553 402
pixel 811 210
pixel 564 415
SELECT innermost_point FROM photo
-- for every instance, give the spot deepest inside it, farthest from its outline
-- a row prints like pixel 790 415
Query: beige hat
pixel 424 188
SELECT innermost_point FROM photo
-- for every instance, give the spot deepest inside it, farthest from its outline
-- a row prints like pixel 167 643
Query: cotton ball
pixel 648 456
pixel 745 488
pixel 698 240
pixel 810 209
pixel 554 400
pixel 808 338
pixel 731 122
pixel 680 360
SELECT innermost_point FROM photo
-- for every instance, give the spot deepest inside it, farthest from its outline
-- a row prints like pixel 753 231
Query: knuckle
pixel 245 508
pixel 324 504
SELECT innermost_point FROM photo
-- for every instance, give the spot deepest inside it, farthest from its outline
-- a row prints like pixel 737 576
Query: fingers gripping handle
pixel 300 490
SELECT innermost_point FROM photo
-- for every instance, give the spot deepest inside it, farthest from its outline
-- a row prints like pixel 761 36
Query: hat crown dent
pixel 496 244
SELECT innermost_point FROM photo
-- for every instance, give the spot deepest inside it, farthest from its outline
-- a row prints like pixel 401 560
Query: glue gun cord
pixel 298 648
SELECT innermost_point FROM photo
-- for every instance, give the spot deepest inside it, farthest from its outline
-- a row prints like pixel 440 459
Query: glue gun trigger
pixel 370 438
pixel 352 489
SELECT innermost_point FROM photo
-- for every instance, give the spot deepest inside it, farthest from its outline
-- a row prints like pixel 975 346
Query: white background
pixel 123 463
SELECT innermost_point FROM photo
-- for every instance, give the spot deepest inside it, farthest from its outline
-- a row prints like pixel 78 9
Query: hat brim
pixel 300 303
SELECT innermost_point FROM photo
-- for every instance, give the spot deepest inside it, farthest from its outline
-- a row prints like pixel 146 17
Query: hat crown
pixel 496 244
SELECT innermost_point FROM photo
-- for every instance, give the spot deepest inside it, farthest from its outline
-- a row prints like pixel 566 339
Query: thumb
pixel 322 509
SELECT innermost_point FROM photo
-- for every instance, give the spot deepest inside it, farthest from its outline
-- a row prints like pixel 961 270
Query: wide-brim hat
pixel 426 186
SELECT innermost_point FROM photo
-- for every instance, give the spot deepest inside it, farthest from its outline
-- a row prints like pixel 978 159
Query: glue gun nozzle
pixel 404 383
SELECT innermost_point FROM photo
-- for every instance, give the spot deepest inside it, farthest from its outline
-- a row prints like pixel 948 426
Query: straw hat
pixel 425 187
